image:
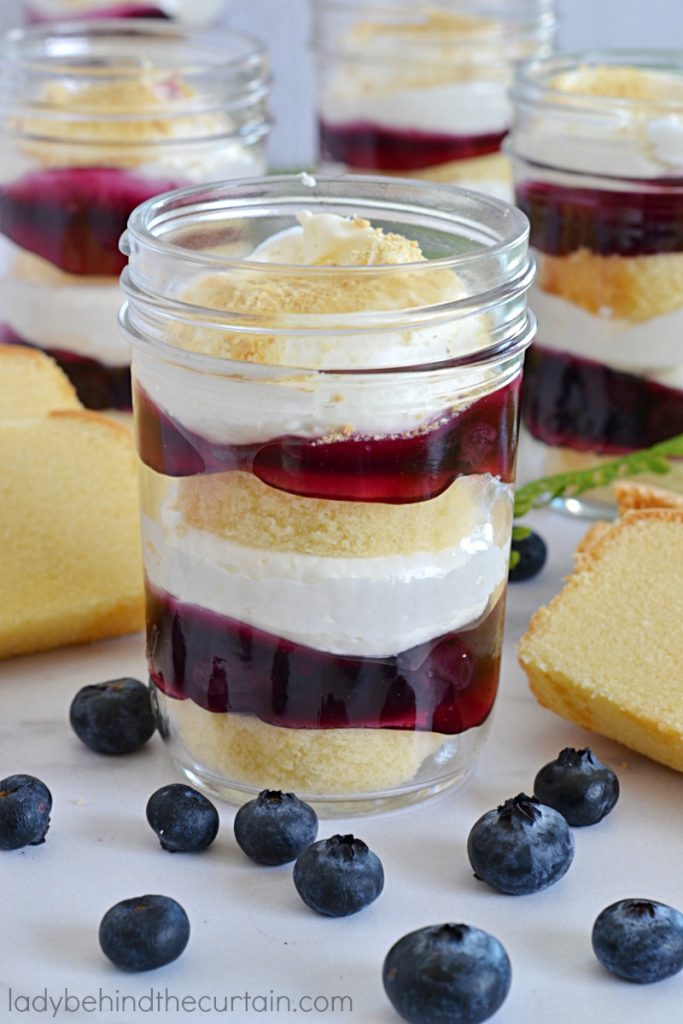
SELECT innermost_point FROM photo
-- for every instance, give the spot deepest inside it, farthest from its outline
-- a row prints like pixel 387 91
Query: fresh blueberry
pixel 114 717
pixel 275 827
pixel 578 785
pixel 338 876
pixel 532 553
pixel 144 933
pixel 447 974
pixel 184 820
pixel 25 805
pixel 521 847
pixel 639 940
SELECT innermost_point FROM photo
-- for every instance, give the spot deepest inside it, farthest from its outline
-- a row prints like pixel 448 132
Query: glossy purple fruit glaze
pixel 631 221
pixel 75 216
pixel 581 404
pixel 97 386
pixel 393 469
pixel 446 685
pixel 368 146
pixel 115 11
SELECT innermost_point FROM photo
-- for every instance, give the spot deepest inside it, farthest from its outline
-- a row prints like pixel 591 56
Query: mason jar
pixel 598 152
pixel 193 12
pixel 326 378
pixel 421 89
pixel 95 118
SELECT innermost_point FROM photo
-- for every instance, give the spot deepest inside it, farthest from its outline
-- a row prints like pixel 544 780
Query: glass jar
pixel 327 465
pixel 598 152
pixel 192 12
pixel 94 119
pixel 419 88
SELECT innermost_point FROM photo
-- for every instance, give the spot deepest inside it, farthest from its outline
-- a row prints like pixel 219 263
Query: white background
pixel 283 25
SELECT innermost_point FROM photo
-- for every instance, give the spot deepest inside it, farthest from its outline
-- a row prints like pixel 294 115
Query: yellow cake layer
pixel 31 385
pixel 322 761
pixel 492 167
pixel 607 652
pixel 634 288
pixel 241 508
pixel 621 82
pixel 120 118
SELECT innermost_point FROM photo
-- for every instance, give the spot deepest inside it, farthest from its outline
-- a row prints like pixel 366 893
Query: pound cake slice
pixel 31 384
pixel 69 532
pixel 607 652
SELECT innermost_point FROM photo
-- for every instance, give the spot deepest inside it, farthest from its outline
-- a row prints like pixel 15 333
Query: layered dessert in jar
pixel 94 121
pixel 326 421
pixel 598 142
pixel 193 12
pixel 420 89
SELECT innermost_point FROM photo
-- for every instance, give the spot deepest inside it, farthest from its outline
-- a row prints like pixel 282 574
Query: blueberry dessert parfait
pixel 598 146
pixel 420 89
pixel 195 12
pixel 326 417
pixel 94 119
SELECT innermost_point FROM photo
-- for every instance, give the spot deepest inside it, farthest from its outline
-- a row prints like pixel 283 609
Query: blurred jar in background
pixel 598 154
pixel 421 89
pixel 95 119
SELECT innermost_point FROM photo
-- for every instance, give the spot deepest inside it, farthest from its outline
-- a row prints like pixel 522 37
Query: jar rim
pixel 505 266
pixel 533 80
pixel 154 212
pixel 228 70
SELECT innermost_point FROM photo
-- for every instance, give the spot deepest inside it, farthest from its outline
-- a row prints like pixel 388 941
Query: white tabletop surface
pixel 251 934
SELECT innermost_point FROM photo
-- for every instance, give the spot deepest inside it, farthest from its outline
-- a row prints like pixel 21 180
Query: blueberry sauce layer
pixel 393 469
pixel 609 222
pixel 585 405
pixel 368 146
pixel 75 216
pixel 115 11
pixel 98 386
pixel 447 685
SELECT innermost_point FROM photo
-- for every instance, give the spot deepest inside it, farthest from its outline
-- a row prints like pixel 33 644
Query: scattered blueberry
pixel 578 785
pixel 532 553
pixel 275 827
pixel 521 847
pixel 184 820
pixel 114 717
pixel 639 940
pixel 25 805
pixel 447 974
pixel 338 876
pixel 144 933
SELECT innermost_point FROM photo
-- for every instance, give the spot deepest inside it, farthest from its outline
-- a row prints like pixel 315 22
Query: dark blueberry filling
pixel 634 221
pixel 115 11
pixel 75 216
pixel 577 403
pixel 97 386
pixel 368 146
pixel 394 470
pixel 446 685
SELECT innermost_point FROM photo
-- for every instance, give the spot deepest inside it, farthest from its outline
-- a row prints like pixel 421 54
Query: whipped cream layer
pixel 638 134
pixel 54 310
pixel 460 108
pixel 228 410
pixel 649 349
pixel 369 607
